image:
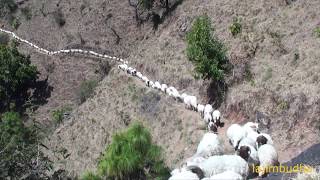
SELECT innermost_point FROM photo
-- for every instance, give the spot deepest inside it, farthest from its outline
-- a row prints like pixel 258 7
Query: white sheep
pixel 182 96
pixel 164 88
pixel 235 133
pixel 216 116
pixel 149 83
pixel 218 164
pixel 123 67
pixel 144 79
pixel 183 174
pixel 226 175
pixel 210 144
pixel 139 75
pixel 208 109
pixel 190 102
pixel 200 109
pixel 253 155
pixel 268 156
pixel 157 85
pixel 262 139
pixel 251 126
pixel 207 117
pixel 171 91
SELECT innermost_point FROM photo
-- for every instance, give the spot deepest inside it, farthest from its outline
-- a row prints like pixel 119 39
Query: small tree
pixel 17 75
pixel 146 4
pixel 131 155
pixel 207 53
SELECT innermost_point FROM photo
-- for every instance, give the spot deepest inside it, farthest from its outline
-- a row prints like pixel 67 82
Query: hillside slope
pixel 277 44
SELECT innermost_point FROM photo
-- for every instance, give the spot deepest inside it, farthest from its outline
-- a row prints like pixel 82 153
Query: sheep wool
pixel 235 133
pixel 226 175
pixel 268 156
pixel 218 164
pixel 209 145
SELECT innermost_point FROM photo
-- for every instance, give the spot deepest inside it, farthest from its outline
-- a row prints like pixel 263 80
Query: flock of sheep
pixel 252 150
pixel 251 147
pixel 66 51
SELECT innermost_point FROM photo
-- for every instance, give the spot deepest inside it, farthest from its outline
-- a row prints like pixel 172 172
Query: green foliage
pixel 58 114
pixel 16 146
pixel 15 22
pixel 90 176
pixel 7 6
pixel 236 27
pixel 146 4
pixel 26 12
pixel 206 52
pixel 12 129
pixel 16 76
pixel 317 32
pixel 130 153
pixel 4 39
pixel 86 90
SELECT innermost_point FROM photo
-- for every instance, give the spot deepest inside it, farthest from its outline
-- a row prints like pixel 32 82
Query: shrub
pixel 16 144
pixel 4 39
pixel 130 153
pixel 7 6
pixel 15 22
pixel 206 52
pixel 59 18
pixel 86 90
pixel 26 12
pixel 58 114
pixel 236 27
pixel 17 75
pixel 146 4
pixel 90 176
pixel 317 32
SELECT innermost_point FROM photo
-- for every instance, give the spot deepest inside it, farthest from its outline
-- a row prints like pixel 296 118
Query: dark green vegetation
pixel 19 143
pixel 207 53
pixel 19 149
pixel 235 27
pixel 7 6
pixel 132 155
pixel 86 90
pixel 58 114
pixel 317 32
pixel 17 75
pixel 146 4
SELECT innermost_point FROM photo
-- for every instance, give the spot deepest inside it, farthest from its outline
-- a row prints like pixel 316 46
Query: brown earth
pixel 277 43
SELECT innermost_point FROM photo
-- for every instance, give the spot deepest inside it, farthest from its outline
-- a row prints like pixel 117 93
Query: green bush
pixel 58 114
pixel 15 22
pixel 7 6
pixel 17 75
pixel 4 39
pixel 146 4
pixel 235 27
pixel 206 52
pixel 90 176
pixel 16 146
pixel 26 12
pixel 86 90
pixel 130 154
pixel 317 32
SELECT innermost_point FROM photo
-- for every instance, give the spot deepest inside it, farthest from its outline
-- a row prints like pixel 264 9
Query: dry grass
pixel 274 35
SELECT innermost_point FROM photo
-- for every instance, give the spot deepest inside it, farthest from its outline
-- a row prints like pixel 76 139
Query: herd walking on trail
pixel 252 148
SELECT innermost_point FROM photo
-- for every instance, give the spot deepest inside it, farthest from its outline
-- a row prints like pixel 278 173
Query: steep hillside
pixel 275 79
